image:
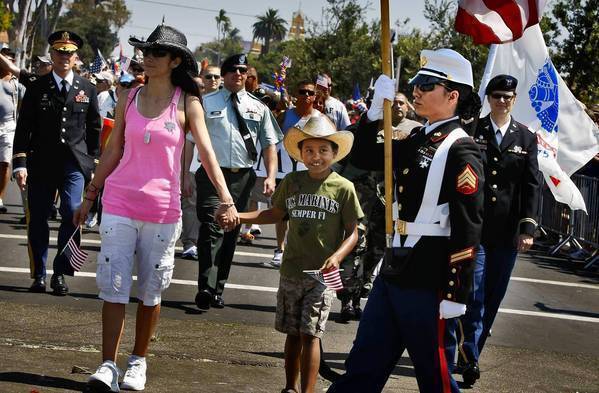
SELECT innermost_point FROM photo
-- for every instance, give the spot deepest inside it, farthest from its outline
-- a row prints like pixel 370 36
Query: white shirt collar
pixel 430 127
pixel 502 129
pixel 69 78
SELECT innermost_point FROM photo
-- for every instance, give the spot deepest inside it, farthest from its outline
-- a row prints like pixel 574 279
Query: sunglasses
pixel 305 92
pixel 242 70
pixel 64 52
pixel 506 97
pixel 426 87
pixel 154 52
pixel 211 76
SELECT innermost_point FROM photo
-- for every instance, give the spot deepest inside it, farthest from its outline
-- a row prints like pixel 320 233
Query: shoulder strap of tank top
pixel 131 98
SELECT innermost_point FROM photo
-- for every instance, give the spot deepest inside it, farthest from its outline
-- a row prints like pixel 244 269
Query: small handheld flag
pixel 74 254
pixel 98 64
pixel 330 278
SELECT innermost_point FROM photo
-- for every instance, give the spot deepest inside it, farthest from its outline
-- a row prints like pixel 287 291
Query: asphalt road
pixel 546 336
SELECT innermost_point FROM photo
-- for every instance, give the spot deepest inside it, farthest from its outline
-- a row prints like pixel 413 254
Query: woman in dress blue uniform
pixel 427 277
pixel 509 152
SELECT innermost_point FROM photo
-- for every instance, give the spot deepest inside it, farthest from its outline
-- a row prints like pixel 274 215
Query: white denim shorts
pixel 126 241
pixel 7 136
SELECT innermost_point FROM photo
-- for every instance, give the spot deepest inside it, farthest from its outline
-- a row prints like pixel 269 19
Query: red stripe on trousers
pixel 442 360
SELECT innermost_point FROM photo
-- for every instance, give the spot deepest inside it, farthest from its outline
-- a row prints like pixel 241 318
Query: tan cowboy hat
pixel 321 127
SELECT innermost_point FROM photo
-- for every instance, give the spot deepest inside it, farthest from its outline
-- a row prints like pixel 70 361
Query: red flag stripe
pixel 497 21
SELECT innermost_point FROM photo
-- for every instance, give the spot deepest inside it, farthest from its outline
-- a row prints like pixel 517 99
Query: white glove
pixel 449 309
pixel 384 88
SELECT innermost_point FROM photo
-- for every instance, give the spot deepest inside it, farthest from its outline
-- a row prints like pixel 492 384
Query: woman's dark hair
pixel 334 146
pixel 183 78
pixel 469 105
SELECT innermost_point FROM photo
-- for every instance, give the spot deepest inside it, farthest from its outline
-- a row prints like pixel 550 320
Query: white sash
pixel 430 212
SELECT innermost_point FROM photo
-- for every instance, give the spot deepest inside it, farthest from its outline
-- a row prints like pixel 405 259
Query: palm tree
pixel 269 27
pixel 222 22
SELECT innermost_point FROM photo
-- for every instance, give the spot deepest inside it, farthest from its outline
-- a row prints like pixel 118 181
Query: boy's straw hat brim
pixel 321 127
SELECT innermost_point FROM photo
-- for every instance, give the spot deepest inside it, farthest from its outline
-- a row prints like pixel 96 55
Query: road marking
pixel 549 315
pixel 97 242
pixel 273 289
pixel 173 281
pixel 269 256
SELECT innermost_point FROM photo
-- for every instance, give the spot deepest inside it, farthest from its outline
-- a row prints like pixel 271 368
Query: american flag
pixel 74 254
pixel 498 21
pixel 98 64
pixel 330 278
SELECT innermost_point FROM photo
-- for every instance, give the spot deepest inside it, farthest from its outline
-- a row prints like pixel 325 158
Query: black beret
pixel 64 40
pixel 501 82
pixel 232 61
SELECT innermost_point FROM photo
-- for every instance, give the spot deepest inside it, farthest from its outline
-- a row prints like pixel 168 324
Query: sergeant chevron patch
pixel 467 181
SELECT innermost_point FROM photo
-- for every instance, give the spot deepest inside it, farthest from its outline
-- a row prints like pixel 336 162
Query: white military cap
pixel 443 64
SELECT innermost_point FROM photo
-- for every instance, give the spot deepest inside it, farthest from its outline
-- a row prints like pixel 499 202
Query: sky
pixel 196 18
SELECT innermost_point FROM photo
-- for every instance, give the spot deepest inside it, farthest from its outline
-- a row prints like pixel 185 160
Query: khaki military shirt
pixel 223 128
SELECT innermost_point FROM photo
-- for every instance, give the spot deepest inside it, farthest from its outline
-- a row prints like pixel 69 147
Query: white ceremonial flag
pixel 567 137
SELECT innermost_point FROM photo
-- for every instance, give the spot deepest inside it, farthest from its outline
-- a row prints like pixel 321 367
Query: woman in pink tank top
pixel 140 172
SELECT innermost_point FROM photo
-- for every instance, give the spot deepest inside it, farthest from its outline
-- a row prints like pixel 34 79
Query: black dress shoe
pixel 217 302
pixel 347 313
pixel 39 285
pixel 58 285
pixel 203 299
pixel 471 373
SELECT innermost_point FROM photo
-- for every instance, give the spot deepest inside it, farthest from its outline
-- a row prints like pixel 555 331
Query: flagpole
pixel 386 60
pixel 488 69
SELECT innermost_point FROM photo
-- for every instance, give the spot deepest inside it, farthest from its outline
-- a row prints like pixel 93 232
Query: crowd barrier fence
pixel 575 227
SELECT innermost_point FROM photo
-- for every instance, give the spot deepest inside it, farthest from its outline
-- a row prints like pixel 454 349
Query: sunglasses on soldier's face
pixel 242 70
pixel 506 97
pixel 154 52
pixel 426 87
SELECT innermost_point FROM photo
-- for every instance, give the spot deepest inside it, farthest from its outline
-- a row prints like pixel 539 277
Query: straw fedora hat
pixel 321 127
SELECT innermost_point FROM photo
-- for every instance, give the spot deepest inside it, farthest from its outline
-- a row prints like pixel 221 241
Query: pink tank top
pixel 145 184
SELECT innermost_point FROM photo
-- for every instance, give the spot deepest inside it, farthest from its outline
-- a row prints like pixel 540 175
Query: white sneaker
pixel 106 378
pixel 3 208
pixel 135 376
pixel 255 230
pixel 276 259
pixel 190 253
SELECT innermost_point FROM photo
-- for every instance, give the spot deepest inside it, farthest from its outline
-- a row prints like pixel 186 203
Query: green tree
pixel 96 24
pixel 227 43
pixel 269 27
pixel 574 40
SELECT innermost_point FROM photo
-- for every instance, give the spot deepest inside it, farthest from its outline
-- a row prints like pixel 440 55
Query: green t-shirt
pixel 318 211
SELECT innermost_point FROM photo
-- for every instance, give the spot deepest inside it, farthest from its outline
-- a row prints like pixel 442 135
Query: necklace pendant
pixel 147 137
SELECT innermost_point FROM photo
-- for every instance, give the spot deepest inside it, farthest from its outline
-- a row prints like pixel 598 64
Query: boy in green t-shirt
pixel 323 211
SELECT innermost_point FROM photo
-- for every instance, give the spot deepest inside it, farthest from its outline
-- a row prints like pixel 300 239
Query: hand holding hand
pixel 227 217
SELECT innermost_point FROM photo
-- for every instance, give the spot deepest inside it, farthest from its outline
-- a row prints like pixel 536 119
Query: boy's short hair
pixel 334 146
pixel 303 82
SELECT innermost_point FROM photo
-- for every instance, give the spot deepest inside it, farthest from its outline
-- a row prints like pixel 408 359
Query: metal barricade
pixel 574 227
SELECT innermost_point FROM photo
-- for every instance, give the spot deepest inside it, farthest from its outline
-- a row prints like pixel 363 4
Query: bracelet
pixel 227 204
pixel 88 199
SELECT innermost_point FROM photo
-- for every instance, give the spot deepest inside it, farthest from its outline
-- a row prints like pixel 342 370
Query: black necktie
pixel 246 135
pixel 63 89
